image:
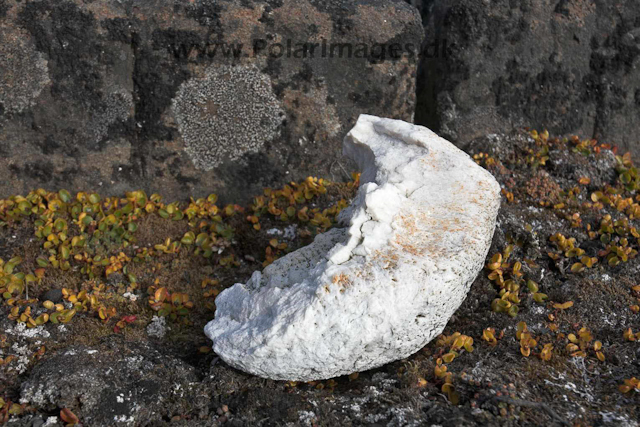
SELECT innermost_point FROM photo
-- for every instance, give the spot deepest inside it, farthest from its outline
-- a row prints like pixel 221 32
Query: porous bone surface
pixel 381 285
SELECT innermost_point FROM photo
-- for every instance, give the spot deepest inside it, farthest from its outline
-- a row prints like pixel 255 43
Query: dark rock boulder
pixel 192 97
pixel 567 65
pixel 115 383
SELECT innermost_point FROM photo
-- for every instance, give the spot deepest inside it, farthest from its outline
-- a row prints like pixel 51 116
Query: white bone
pixel 382 287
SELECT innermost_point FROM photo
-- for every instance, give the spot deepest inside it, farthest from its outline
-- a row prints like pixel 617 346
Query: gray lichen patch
pixel 117 107
pixel 23 70
pixel 231 111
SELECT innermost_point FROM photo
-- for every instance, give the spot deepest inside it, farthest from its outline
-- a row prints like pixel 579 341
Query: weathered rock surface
pixel 193 97
pixel 567 65
pixel 383 286
pixel 115 383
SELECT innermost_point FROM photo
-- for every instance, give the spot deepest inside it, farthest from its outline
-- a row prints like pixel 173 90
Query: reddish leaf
pixel 68 417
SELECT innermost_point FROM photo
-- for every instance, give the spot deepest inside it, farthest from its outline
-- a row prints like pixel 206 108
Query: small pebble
pixel 53 295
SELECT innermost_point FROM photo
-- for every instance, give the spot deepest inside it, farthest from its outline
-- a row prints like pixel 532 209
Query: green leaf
pixel 54 317
pixel 65 252
pixel 64 196
pixel 188 238
pixel 202 239
pixel 8 268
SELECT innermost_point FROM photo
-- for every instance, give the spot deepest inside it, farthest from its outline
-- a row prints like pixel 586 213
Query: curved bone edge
pixel 378 290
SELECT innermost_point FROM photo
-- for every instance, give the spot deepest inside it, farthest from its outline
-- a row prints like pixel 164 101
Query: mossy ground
pixel 553 317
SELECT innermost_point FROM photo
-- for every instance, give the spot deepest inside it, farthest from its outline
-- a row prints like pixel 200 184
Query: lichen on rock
pixel 23 70
pixel 229 112
pixel 385 284
pixel 117 107
pixel 116 382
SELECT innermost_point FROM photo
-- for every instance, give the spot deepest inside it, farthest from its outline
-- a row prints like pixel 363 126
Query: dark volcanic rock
pixel 53 295
pixel 567 65
pixel 192 97
pixel 115 383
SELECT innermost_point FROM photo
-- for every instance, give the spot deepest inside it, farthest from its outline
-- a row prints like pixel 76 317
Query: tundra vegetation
pixel 549 333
